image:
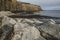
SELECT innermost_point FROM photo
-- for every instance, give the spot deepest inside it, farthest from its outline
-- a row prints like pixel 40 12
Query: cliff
pixel 15 6
pixel 27 7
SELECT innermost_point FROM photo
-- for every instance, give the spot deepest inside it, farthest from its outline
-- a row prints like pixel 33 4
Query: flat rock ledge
pixel 29 29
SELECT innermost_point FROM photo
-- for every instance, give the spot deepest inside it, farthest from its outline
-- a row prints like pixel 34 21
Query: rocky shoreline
pixel 28 29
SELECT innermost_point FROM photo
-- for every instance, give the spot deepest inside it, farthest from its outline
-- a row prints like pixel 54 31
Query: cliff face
pixel 13 5
pixel 28 7
pixel 6 5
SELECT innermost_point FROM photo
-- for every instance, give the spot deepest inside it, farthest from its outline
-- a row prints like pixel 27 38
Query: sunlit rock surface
pixel 29 29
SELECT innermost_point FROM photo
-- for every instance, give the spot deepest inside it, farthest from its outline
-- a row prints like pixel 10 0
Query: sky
pixel 45 4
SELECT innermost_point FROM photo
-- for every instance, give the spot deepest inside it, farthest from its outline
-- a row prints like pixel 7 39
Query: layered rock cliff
pixel 15 6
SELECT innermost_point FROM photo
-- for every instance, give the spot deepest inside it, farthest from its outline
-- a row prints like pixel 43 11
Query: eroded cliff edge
pixel 15 6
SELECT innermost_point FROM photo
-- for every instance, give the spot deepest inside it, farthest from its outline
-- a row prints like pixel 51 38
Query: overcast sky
pixel 45 4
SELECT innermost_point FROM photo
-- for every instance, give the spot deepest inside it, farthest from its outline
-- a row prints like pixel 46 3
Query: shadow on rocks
pixel 47 36
pixel 6 32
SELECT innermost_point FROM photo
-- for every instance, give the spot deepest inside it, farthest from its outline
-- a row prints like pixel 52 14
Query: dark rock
pixel 6 32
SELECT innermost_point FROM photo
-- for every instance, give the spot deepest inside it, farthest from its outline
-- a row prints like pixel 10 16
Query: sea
pixel 51 13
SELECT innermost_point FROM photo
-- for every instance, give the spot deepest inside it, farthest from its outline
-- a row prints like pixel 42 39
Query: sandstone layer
pixel 15 6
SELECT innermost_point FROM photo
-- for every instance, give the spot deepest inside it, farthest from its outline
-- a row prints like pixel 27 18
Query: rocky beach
pixel 27 28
